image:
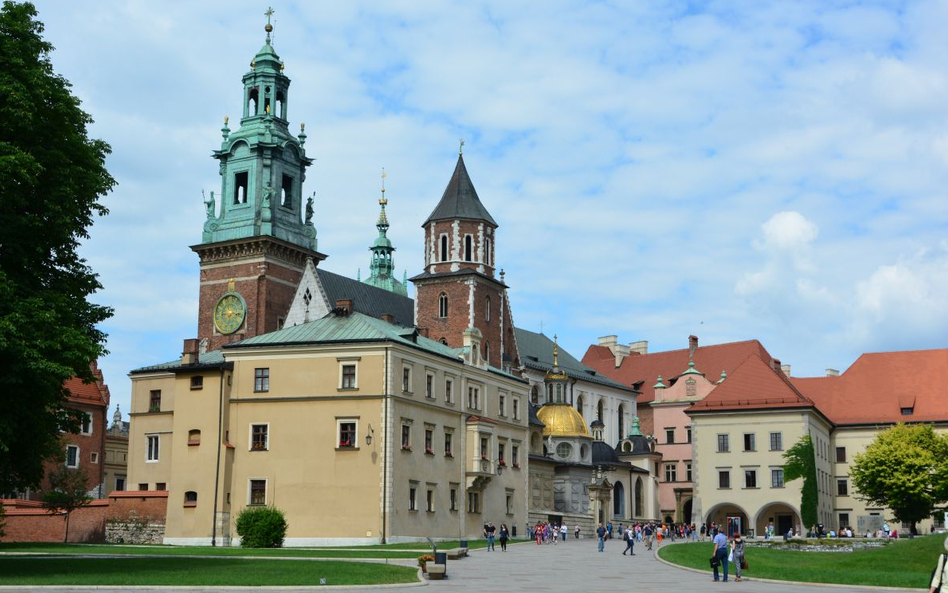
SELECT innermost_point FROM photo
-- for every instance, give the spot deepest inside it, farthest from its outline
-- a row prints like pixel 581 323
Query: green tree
pixel 52 176
pixel 67 492
pixel 905 469
pixel 801 463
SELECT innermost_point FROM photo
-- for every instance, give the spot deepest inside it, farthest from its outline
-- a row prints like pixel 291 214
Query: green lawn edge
pixel 904 563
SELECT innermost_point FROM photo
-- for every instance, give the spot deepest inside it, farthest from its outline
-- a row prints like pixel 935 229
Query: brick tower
pixel 457 289
pixel 253 251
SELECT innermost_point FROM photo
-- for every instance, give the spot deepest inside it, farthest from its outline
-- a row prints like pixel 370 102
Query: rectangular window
pixel 500 454
pixel 95 457
pixel 142 487
pixel 429 386
pixel 473 398
pixel 485 448
pixel 908 411
pixel 161 486
pixel 259 437
pixel 515 455
pixel 473 502
pixel 347 434
pixel 501 401
pixel 670 436
pixel 241 181
pixel 840 454
pixel 842 487
pixel 453 498
pixel 516 408
pixel 72 456
pixel 776 478
pixel 406 379
pixel 448 393
pixel 261 380
pixel 286 198
pixel 724 479
pixel 688 434
pixel 152 447
pixel 688 474
pixel 429 501
pixel 723 443
pixel 429 441
pixel 86 424
pixel 412 498
pixel 843 520
pixel 120 483
pixel 776 441
pixel 154 400
pixel 448 437
pixel 750 442
pixel 197 382
pixel 750 478
pixel 671 472
pixel 509 505
pixel 348 376
pixel 406 437
pixel 258 492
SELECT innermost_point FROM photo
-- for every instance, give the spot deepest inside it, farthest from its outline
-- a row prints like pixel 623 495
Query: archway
pixel 729 516
pixel 618 501
pixel 686 509
pixel 781 515
pixel 638 511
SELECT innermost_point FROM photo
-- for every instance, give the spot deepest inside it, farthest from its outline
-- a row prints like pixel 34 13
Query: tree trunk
pixel 66 536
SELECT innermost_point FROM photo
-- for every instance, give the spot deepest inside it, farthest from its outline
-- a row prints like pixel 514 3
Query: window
pixel 487 253
pixel 406 379
pixel 473 398
pixel 429 441
pixel 468 248
pixel 349 376
pixel 487 351
pixel 154 400
pixel 688 473
pixel 240 183
pixel 72 456
pixel 842 487
pixel 509 505
pixel 750 478
pixel 190 498
pixel 840 454
pixel 444 248
pixel 142 487
pixel 750 442
pixel 500 454
pixel 429 386
pixel 259 437
pixel 86 424
pixel 197 382
pixel 258 492
pixel 448 438
pixel 406 437
pixel 485 448
pixel 516 408
pixel 487 309
pixel 473 502
pixel 724 479
pixel 671 472
pixel 515 455
pixel 453 497
pixel 670 436
pixel 448 391
pixel 287 192
pixel 563 450
pixel 723 444
pixel 261 380
pixel 161 486
pixel 120 483
pixel 687 434
pixel 908 411
pixel 194 437
pixel 153 443
pixel 412 498
pixel 535 395
pixel 843 520
pixel 776 441
pixel 429 501
pixel 442 305
pixel 776 478
pixel 501 401
pixel 347 434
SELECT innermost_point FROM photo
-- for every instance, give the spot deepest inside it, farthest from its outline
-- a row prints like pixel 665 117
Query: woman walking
pixel 504 534
pixel 737 550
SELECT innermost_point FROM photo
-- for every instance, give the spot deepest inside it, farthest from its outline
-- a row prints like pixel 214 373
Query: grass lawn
pixel 903 563
pixel 37 548
pixel 195 572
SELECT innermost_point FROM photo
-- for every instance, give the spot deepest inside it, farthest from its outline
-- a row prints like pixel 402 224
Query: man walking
pixel 648 536
pixel 601 534
pixel 629 541
pixel 563 531
pixel 489 530
pixel 720 553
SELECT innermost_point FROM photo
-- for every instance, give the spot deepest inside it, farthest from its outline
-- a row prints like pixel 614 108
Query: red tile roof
pixel 96 392
pixel 754 385
pixel 645 368
pixel 875 388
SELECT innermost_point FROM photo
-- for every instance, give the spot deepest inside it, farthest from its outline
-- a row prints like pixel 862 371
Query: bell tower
pixel 256 240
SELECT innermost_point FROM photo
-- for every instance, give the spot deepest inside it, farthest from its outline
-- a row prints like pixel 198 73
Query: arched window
pixel 549 393
pixel 444 341
pixel 443 305
pixel 468 248
pixel 599 411
pixel 252 100
pixel 487 254
pixel 444 248
pixel 638 511
pixel 618 501
pixel 579 405
pixel 621 421
pixel 487 351
pixel 487 309
pixel 194 437
pixel 535 395
pixel 190 498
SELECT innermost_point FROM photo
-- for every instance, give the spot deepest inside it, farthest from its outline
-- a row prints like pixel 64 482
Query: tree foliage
pixel 261 527
pixel 905 469
pixel 52 176
pixel 801 463
pixel 67 492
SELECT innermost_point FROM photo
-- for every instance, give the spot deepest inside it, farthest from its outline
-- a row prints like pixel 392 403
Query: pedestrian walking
pixel 563 531
pixel 629 541
pixel 601 534
pixel 940 575
pixel 504 535
pixel 576 531
pixel 737 551
pixel 720 554
pixel 489 531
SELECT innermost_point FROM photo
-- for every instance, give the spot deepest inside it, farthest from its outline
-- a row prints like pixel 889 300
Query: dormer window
pixel 908 411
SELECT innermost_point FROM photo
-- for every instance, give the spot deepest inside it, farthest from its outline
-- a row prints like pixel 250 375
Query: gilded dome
pixel 562 420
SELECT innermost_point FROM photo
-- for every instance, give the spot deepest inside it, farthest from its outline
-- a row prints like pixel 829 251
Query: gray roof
pixel 462 272
pixel 368 299
pixel 536 352
pixel 460 199
pixel 212 359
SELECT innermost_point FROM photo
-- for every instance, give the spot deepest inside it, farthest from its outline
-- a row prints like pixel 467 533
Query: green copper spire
pixel 382 266
pixel 635 430
pixel 262 164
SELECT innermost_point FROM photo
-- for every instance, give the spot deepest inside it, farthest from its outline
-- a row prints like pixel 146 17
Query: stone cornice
pixel 255 247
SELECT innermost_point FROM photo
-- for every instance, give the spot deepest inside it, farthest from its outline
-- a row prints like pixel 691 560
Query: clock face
pixel 229 313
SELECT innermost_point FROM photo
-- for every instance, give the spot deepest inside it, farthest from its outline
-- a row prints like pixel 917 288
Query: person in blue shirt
pixel 720 552
pixel 601 534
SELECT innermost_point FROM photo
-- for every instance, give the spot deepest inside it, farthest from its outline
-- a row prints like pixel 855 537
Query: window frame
pixel 407 379
pixel 750 475
pixel 515 403
pixel 669 436
pixel 724 443
pixel 76 457
pixel 261 380
pixel 724 479
pixel 87 421
pixel 348 381
pixel 749 442
pixel 406 436
pixel 412 497
pixel 841 452
pixel 252 444
pixel 152 454
pixel 449 390
pixel 340 422
pixel 154 400
pixel 448 442
pixel 430 390
pixel 443 306
pixel 250 491
pixel 842 486
pixel 775 473
pixel 671 471
pixel 776 441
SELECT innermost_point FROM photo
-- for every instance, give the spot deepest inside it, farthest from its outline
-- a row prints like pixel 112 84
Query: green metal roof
pixel 212 359
pixel 536 352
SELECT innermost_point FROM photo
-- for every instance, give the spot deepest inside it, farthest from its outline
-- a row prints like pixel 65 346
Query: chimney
pixel 785 368
pixel 621 352
pixel 389 318
pixel 189 355
pixel 775 364
pixel 640 347
pixel 832 373
pixel 609 341
pixel 692 343
pixel 422 331
pixel 343 307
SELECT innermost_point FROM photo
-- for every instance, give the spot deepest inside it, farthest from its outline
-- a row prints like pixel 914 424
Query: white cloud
pixel 787 231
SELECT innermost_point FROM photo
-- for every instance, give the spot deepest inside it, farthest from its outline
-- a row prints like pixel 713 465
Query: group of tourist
pixel 491 533
pixel 726 552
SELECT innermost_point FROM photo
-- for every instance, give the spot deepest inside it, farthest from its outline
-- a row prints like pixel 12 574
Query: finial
pixel 225 131
pixel 502 274
pixel 461 147
pixel 723 377
pixel 382 200
pixel 268 28
pixel 230 285
pixel 226 119
pixel 302 135
pixel 556 351
pixel 359 275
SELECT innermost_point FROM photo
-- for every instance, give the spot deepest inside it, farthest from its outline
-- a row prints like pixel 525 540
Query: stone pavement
pixel 573 567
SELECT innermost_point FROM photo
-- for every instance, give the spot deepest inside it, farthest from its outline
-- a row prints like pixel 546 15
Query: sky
pixel 734 170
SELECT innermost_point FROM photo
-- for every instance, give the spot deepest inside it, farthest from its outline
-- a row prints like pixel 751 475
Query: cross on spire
pixel 461 147
pixel 269 13
pixel 269 27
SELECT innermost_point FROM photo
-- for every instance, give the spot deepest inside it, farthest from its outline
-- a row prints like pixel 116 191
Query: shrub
pixel 261 527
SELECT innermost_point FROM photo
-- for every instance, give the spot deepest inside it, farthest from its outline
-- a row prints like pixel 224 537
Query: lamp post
pixel 368 436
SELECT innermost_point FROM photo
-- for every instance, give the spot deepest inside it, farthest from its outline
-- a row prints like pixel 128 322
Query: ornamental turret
pixel 382 265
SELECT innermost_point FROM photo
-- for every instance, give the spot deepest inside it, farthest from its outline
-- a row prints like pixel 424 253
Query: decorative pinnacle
pixel 461 147
pixel 556 351
pixel 268 28
pixel 383 201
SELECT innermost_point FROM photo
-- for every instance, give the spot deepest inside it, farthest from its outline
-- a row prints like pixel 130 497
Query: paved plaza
pixel 573 567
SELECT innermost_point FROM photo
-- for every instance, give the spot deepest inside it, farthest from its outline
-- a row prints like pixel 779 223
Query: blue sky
pixel 769 170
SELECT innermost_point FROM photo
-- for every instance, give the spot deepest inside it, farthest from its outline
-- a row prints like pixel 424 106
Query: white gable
pixel 310 301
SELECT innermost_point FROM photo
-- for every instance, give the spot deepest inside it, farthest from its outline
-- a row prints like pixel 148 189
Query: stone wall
pixel 134 531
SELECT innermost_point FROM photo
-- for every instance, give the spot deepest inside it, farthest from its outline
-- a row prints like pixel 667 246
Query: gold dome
pixel 562 420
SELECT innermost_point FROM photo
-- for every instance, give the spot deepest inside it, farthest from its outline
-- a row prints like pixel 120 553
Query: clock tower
pixel 258 233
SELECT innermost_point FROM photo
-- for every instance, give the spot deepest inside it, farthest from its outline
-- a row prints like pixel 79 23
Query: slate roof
pixel 642 370
pixel 753 385
pixel 878 385
pixel 368 299
pixel 462 272
pixel 536 352
pixel 460 199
